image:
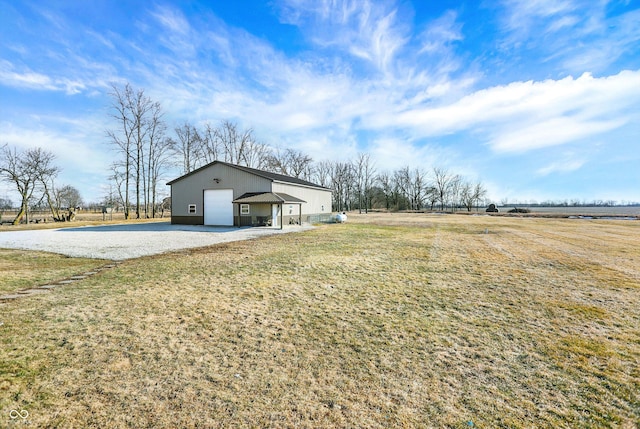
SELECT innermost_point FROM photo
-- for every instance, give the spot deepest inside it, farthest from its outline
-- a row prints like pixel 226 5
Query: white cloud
pixel 175 31
pixel 365 29
pixel 522 15
pixel 574 35
pixel 171 19
pixel 614 38
pixel 303 101
pixel 551 132
pixel 24 79
pixel 393 153
pixel 79 143
pixel 38 81
pixel 527 115
pixel 565 166
pixel 440 33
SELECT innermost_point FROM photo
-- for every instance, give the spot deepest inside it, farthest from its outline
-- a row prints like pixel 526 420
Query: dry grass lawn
pixel 82 219
pixel 385 321
pixel 22 269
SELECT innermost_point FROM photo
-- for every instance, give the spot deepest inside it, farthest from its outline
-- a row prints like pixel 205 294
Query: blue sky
pixel 538 99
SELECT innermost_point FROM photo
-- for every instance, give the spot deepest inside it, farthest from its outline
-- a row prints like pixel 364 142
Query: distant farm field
pixel 388 320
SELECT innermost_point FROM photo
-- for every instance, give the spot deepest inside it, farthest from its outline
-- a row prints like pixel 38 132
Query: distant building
pixel 232 195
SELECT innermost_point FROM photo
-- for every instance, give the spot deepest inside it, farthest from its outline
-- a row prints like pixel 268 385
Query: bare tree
pixel 256 154
pixel 290 162
pixel 66 198
pixel 322 173
pixel 342 184
pixel 466 195
pixel 46 176
pixel 139 125
pixel 230 144
pixel 479 193
pixel 159 161
pixel 417 188
pixel 189 147
pixel 277 162
pixel 233 142
pixel 28 171
pixel 386 183
pixel 299 164
pixel 140 107
pixel 156 159
pixel 69 197
pixel 118 177
pixel 401 187
pixel 123 137
pixel 364 173
pixel 442 181
pixel 211 145
pixel 455 185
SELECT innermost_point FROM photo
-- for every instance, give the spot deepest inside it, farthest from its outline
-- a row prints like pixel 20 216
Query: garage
pixel 218 207
pixel 223 194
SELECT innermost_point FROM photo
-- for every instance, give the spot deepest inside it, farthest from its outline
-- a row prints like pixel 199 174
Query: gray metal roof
pixel 267 198
pixel 261 173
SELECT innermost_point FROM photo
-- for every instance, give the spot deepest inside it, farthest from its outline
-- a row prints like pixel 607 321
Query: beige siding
pixel 318 201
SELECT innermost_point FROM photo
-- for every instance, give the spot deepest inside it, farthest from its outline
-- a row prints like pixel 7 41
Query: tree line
pixel 357 185
pixel 33 174
pixel 145 151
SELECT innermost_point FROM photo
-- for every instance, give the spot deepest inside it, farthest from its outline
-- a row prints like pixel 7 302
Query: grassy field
pixel 83 219
pixel 385 321
pixel 22 269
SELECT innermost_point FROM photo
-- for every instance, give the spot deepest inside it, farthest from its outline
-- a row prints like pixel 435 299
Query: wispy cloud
pixel 565 166
pixel 175 30
pixel 367 30
pixel 614 38
pixel 27 78
pixel 576 35
pixel 440 33
pixel 171 19
pixel 522 17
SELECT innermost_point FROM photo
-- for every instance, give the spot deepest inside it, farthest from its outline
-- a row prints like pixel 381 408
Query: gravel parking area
pixel 126 241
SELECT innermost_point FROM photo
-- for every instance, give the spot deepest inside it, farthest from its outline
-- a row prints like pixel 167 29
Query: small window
pixel 192 209
pixel 244 209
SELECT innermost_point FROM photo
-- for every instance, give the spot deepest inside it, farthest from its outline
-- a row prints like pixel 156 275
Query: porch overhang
pixel 267 198
pixel 278 198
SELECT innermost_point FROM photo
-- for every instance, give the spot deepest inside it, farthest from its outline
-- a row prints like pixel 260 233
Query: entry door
pixel 275 214
pixel 218 207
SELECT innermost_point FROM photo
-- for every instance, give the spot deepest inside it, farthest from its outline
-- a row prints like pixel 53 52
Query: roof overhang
pixel 267 198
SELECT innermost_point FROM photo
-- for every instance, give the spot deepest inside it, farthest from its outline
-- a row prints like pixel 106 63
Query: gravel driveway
pixel 126 241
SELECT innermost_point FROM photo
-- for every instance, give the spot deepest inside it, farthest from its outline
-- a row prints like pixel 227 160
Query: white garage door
pixel 218 207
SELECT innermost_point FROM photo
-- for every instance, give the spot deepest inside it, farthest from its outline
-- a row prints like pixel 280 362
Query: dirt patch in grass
pixel 20 269
pixel 386 321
